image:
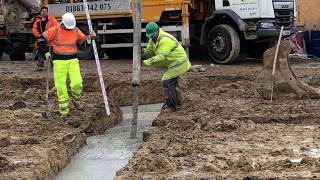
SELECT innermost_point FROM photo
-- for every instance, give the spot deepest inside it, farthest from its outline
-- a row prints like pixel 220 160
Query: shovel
pixel 45 113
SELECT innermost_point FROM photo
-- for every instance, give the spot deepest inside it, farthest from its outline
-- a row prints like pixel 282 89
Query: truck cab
pixel 15 27
pixel 225 27
pixel 245 23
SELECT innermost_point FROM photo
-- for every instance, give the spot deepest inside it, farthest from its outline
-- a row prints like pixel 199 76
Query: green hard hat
pixel 151 28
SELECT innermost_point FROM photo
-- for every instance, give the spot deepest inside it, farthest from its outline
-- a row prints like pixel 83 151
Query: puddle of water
pixel 310 127
pixel 296 160
pixel 315 153
pixel 105 154
pixel 296 154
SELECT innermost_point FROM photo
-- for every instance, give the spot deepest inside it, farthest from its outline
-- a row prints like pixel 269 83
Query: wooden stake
pixel 136 65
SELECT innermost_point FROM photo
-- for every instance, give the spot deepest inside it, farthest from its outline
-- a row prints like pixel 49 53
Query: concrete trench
pixel 105 154
pixel 224 130
pixel 54 147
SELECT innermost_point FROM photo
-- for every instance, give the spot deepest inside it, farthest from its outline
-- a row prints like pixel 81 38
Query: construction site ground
pixel 224 129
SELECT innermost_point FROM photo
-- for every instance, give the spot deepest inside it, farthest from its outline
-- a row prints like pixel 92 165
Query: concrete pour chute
pixel 105 154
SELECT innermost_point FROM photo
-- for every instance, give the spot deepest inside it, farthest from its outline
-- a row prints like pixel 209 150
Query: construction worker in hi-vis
pixel 64 39
pixel 41 24
pixel 165 51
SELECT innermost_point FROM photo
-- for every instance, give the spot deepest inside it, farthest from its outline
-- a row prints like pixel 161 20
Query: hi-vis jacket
pixel 64 41
pixel 168 53
pixel 36 30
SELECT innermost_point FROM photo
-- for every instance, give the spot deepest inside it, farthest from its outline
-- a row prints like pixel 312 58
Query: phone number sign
pixel 94 7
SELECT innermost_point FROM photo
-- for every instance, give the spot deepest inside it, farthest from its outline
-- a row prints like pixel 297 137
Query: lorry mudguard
pixel 216 18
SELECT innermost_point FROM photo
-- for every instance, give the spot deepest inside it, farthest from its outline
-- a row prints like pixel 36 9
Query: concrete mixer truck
pixel 224 27
pixel 15 27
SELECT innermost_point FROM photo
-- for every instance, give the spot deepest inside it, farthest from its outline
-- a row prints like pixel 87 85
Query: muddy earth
pixel 32 147
pixel 224 129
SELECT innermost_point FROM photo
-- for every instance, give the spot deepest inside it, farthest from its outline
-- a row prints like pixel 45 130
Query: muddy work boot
pixel 64 117
pixel 40 67
pixel 167 109
pixel 179 96
pixel 74 123
pixel 77 105
pixel 40 63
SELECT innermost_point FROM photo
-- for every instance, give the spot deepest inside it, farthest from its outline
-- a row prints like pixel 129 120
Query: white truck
pixel 224 26
pixel 15 27
pixel 245 24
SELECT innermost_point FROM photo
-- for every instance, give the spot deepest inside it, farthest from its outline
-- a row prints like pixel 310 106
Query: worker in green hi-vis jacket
pixel 165 51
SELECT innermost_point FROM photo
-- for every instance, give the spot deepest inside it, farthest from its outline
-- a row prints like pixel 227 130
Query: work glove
pixel 48 56
pixel 93 34
pixel 89 40
pixel 147 62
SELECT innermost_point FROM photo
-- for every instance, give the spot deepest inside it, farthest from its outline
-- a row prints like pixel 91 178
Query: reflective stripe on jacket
pixel 169 54
pixel 64 41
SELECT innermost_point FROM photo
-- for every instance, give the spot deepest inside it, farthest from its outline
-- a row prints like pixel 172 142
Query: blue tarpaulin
pixel 312 42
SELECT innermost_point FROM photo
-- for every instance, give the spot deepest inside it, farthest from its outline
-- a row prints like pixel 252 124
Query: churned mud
pixel 32 147
pixel 224 129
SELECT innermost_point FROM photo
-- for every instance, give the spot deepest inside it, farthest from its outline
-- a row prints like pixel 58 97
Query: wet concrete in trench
pixel 105 154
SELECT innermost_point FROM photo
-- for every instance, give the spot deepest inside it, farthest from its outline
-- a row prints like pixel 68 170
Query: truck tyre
pixel 223 44
pixel 255 50
pixel 119 53
pixel 85 52
pixel 18 56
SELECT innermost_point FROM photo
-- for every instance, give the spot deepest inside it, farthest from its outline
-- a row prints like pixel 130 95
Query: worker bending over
pixel 164 50
pixel 65 37
pixel 41 24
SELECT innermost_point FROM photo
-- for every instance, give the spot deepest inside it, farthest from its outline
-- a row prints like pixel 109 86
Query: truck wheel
pixel 255 50
pixel 18 56
pixel 85 51
pixel 119 53
pixel 223 44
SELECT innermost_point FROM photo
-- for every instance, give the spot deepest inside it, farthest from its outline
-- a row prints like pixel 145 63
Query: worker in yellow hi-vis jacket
pixel 164 50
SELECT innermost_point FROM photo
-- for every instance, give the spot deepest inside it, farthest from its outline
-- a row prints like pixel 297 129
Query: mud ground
pixel 32 147
pixel 223 130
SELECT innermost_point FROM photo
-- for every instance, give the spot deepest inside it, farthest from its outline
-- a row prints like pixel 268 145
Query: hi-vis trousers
pixel 63 69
